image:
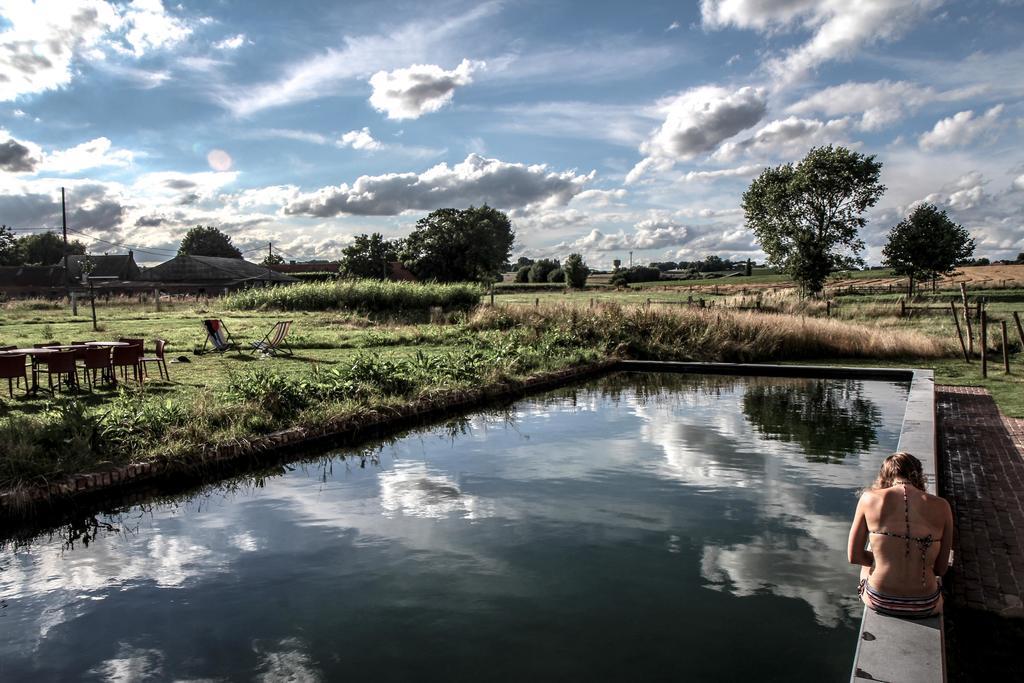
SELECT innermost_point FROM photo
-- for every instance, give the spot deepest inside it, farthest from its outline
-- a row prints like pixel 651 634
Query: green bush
pixel 523 274
pixel 576 271
pixel 556 275
pixel 369 296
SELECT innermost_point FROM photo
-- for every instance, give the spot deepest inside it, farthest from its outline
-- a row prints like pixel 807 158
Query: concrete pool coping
pixel 887 649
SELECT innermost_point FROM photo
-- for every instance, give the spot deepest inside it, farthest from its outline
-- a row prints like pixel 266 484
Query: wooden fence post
pixel 903 307
pixel 536 302
pixel 967 318
pixel 959 333
pixel 1020 330
pixel 828 309
pixel 156 298
pixel 1006 352
pixel 984 342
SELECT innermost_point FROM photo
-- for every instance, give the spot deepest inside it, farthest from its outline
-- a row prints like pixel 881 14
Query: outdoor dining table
pixel 37 351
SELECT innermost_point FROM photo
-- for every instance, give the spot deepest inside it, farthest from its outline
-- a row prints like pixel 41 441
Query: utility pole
pixel 630 259
pixel 270 259
pixel 64 223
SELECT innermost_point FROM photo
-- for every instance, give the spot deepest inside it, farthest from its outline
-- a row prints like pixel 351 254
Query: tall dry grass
pixel 713 335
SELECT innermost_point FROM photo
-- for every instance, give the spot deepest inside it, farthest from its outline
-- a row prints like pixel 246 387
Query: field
pixel 347 362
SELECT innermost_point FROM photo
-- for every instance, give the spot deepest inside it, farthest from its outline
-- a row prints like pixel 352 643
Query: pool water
pixel 636 527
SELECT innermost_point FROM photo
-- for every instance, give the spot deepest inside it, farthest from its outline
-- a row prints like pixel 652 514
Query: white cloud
pixel 839 28
pixel 476 180
pixel 43 38
pixel 960 129
pixel 746 171
pixel 789 137
pixel 325 74
pixel 232 43
pixel 92 154
pixel 647 234
pixel 879 103
pixel 151 28
pixel 1018 183
pixel 696 122
pixel 673 26
pixel 359 139
pixel 419 89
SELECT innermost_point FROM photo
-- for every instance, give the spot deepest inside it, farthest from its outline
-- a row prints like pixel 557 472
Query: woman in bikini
pixel 911 533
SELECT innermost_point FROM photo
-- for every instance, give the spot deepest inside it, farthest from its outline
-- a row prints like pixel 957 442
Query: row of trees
pixel 574 272
pixel 40 249
pixel 807 218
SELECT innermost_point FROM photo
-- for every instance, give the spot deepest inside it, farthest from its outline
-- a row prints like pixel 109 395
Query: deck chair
pixel 218 337
pixel 275 341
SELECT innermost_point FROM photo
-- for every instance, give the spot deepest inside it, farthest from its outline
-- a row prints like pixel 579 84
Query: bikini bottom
pixel 900 606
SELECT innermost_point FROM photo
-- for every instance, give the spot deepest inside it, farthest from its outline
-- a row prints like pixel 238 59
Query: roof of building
pixel 121 266
pixel 186 268
pixel 31 276
pixel 320 267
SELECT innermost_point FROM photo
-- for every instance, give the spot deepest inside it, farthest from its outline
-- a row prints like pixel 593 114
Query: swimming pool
pixel 633 527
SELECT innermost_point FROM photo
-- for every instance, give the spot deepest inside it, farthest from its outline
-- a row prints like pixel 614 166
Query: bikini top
pixel 923 542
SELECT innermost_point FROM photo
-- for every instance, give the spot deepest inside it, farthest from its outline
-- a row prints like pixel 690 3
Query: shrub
pixel 556 275
pixel 523 274
pixel 540 269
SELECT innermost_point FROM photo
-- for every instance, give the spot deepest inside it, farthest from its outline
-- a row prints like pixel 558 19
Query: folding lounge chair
pixel 275 341
pixel 218 337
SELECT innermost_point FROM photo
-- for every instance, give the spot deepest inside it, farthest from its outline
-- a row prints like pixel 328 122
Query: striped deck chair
pixel 275 341
pixel 218 337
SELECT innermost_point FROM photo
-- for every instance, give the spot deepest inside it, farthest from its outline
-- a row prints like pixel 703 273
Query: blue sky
pixel 602 128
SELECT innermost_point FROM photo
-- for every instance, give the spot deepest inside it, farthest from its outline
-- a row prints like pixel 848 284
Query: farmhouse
pixel 210 275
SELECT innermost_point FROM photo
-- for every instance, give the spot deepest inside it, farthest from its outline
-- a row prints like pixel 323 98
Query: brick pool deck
pixel 982 456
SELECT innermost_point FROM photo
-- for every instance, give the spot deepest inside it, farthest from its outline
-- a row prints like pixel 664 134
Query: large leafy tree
pixel 925 245
pixel 576 271
pixel 452 245
pixel 368 256
pixel 807 216
pixel 207 241
pixel 46 249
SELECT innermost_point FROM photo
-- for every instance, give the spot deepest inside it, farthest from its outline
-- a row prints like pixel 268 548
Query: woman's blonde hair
pixel 900 466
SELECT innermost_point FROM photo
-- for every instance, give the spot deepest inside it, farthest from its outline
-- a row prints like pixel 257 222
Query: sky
pixel 602 128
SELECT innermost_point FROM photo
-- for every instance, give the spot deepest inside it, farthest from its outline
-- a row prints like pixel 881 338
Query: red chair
pixel 125 357
pixel 161 362
pixel 97 358
pixel 12 367
pixel 62 363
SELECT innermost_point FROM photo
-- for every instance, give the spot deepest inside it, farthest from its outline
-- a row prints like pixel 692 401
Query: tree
pixel 452 245
pixel 748 268
pixel 541 268
pixel 523 261
pixel 207 241
pixel 45 249
pixel 925 245
pixel 368 257
pixel 523 274
pixel 556 275
pixel 272 260
pixel 576 271
pixel 807 216
pixel 9 255
pixel 1020 258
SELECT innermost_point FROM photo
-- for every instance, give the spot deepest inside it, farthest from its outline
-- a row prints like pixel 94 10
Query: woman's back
pixel 907 531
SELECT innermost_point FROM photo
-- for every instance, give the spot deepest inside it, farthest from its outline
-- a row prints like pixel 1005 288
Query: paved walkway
pixel 982 455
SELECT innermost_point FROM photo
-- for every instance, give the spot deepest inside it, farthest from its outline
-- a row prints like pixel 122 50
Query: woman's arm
pixel 942 560
pixel 856 548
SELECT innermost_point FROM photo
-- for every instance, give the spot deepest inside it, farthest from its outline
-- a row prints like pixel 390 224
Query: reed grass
pixel 367 296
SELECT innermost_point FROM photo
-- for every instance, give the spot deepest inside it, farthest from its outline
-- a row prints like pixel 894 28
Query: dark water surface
pixel 637 527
